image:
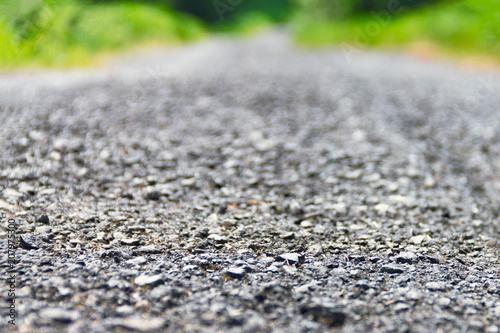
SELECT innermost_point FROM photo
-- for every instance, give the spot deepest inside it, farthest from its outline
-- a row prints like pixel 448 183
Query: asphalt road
pixel 249 186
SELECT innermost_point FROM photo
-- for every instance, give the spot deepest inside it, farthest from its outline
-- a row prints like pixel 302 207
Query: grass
pixel 465 27
pixel 69 33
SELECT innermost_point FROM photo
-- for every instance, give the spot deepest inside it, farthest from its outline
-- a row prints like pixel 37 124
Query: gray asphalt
pixel 252 186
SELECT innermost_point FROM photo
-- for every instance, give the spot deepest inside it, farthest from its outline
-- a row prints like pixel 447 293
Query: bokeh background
pixel 76 32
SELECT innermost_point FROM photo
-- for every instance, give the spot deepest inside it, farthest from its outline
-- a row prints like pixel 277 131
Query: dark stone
pixel 30 242
pixel 44 219
pixel 325 314
pixel 154 196
pixel 407 258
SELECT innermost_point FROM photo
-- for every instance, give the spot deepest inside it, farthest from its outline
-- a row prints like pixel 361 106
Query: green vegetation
pixel 71 32
pixel 223 12
pixel 68 32
pixel 459 26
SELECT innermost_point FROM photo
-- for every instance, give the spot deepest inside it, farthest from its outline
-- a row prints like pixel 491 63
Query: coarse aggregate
pixel 252 186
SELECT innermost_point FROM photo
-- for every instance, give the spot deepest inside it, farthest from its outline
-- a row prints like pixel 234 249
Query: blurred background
pixel 77 32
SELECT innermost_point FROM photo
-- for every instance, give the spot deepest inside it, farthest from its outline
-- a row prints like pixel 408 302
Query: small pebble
pixel 148 280
pixel 236 272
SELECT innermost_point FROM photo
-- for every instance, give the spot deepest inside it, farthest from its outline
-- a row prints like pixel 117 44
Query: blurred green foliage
pixel 55 32
pixel 60 32
pixel 341 9
pixel 458 26
pixel 217 11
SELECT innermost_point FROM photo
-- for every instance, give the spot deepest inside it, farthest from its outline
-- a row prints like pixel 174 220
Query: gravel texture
pixel 247 186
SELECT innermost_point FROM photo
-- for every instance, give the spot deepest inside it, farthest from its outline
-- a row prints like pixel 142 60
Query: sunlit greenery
pixel 459 26
pixel 69 32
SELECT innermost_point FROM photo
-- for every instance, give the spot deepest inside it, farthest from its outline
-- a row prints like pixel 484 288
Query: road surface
pixel 250 186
